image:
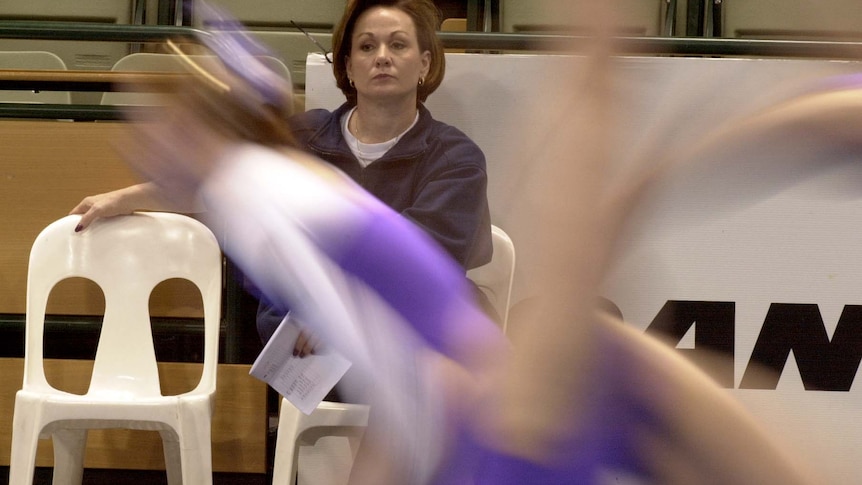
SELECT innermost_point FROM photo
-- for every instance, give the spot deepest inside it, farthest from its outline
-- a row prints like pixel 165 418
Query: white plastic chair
pixel 148 62
pixel 293 47
pixel 350 420
pixel 33 60
pixel 126 256
pixel 495 278
pixel 340 419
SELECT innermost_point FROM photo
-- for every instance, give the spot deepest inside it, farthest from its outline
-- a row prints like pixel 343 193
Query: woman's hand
pixel 145 196
pixel 118 202
pixel 306 344
pixel 102 205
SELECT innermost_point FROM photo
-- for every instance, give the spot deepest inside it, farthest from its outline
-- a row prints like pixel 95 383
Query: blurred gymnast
pixel 577 394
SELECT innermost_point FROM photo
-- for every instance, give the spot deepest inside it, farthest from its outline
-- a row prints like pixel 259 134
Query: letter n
pixel 823 365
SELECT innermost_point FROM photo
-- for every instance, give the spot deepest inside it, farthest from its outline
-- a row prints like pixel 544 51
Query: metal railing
pixel 470 41
pixel 92 31
pixel 679 46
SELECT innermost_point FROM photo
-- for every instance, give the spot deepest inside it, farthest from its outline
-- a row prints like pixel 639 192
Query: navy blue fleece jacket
pixel 435 176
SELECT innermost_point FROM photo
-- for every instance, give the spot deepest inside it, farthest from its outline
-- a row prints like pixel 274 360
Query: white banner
pixel 750 253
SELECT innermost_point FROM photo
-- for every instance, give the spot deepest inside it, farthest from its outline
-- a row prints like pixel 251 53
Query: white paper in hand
pixel 302 381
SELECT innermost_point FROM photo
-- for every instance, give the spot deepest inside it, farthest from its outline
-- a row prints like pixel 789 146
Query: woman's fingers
pixel 306 343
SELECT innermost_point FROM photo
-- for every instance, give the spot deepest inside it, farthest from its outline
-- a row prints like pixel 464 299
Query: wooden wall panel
pixel 46 168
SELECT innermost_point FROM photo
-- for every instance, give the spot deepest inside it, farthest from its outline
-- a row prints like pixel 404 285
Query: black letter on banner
pixel 823 365
pixel 713 338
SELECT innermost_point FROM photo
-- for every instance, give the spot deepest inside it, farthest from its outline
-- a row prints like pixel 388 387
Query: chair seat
pixel 106 412
pixel 340 419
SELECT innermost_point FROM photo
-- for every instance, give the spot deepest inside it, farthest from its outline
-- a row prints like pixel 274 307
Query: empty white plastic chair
pixel 171 63
pixel 293 47
pixel 33 60
pixel 126 256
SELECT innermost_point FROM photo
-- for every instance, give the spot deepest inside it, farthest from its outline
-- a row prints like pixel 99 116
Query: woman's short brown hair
pixel 426 19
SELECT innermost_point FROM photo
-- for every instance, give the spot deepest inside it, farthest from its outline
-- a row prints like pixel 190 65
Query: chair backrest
pixel 77 55
pixel 101 11
pixel 148 62
pixel 293 47
pixel 495 278
pixel 126 256
pixel 33 60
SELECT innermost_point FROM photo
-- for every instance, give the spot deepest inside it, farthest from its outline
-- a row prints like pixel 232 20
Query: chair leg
pixel 196 461
pixel 195 439
pixel 171 450
pixel 25 440
pixel 69 448
pixel 284 466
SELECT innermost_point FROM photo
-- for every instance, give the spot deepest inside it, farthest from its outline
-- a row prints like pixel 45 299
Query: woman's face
pixel 385 60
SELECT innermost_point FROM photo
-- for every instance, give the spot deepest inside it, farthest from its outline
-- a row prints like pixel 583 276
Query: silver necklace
pixel 377 149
